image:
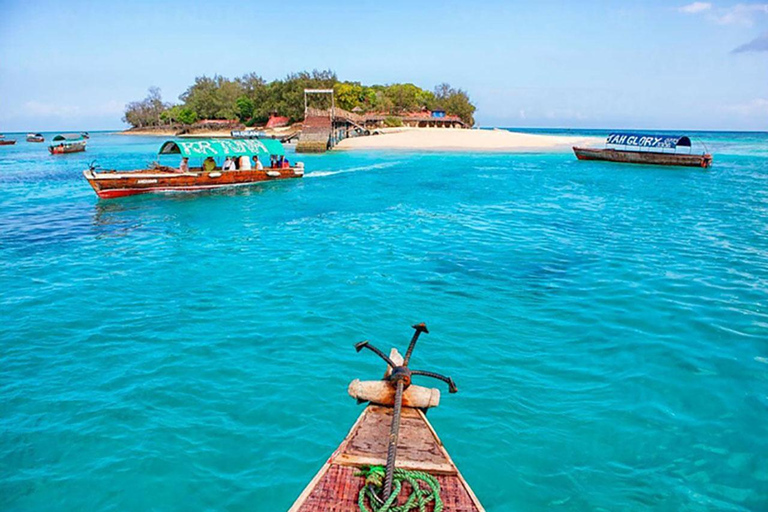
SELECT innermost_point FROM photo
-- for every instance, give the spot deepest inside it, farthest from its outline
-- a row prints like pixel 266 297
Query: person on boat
pixel 285 164
pixel 257 163
pixel 209 164
pixel 229 164
pixel 245 163
pixel 184 165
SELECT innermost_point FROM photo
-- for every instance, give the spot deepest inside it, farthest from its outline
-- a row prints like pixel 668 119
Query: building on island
pixel 423 118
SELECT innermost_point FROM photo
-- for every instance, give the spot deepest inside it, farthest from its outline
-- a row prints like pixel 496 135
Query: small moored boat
pixel 392 455
pixel 63 144
pixel 7 142
pixel 636 148
pixel 162 178
pixel 35 137
pixel 247 134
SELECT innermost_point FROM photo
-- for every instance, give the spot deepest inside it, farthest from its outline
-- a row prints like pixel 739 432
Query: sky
pixel 589 64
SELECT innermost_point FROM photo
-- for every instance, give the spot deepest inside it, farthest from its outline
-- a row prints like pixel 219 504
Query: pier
pixel 324 128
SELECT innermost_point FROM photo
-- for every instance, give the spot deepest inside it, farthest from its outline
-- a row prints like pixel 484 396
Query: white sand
pixel 447 139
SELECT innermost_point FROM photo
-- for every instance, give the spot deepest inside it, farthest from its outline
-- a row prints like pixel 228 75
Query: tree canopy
pixel 147 112
pixel 250 99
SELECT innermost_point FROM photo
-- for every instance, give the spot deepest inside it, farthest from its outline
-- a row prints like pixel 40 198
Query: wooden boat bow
pixel 373 441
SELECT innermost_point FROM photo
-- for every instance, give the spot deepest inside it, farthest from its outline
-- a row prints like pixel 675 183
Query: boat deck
pixel 335 487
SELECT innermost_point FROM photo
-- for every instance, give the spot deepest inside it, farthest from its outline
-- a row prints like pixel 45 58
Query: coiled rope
pixel 421 495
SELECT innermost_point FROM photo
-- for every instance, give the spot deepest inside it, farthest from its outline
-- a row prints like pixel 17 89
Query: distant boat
pixel 35 137
pixel 247 134
pixel 159 178
pixel 6 142
pixel 62 144
pixel 85 135
pixel 253 134
pixel 638 148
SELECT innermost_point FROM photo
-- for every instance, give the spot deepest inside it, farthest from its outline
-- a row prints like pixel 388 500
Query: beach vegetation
pixel 251 100
pixel 178 114
pixel 186 115
pixel 147 112
pixel 244 108
pixel 454 101
pixel 393 122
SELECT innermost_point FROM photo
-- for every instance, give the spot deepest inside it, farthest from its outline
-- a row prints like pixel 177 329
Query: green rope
pixel 419 498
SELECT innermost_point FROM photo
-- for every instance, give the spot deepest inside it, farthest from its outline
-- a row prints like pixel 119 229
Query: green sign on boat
pixel 263 148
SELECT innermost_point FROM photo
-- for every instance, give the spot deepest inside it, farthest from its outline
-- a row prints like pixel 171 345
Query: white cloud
pixel 740 14
pixel 695 7
pixel 754 108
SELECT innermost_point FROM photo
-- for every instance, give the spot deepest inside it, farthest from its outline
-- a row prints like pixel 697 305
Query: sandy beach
pixel 443 139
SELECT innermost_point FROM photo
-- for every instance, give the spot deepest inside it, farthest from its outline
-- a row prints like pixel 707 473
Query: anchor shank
pixel 394 433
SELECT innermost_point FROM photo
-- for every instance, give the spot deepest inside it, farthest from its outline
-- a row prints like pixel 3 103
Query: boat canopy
pixel 67 138
pixel 223 148
pixel 645 140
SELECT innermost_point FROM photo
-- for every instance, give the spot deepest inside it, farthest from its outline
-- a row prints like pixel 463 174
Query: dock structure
pixel 324 128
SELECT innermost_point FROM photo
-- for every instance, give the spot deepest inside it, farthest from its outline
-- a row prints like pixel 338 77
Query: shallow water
pixel 607 326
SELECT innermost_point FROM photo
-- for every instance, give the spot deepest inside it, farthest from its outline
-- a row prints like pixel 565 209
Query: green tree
pixel 186 116
pixel 287 95
pixel 201 97
pixel 251 99
pixel 404 97
pixel 455 101
pixel 349 95
pixel 257 91
pixel 146 112
pixel 244 108
pixel 228 92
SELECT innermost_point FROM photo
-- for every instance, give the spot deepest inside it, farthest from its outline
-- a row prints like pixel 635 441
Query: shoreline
pixel 429 139
pixel 448 139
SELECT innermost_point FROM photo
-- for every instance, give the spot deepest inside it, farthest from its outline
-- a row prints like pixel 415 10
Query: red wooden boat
pixel 6 142
pixel 391 447
pixel 649 149
pixel 162 178
pixel 64 144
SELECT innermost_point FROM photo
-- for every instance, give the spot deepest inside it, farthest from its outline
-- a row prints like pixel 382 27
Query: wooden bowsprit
pixel 400 379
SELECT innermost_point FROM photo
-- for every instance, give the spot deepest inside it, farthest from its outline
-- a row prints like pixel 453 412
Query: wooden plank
pixel 418 447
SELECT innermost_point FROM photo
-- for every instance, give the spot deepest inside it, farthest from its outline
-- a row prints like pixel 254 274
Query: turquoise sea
pixel 607 327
